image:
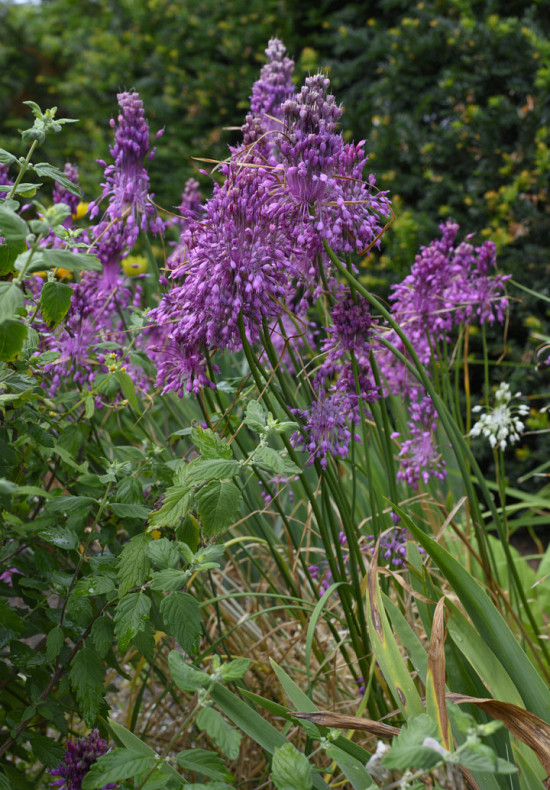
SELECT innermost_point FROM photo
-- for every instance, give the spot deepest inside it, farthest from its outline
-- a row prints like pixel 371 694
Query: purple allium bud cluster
pixel 62 195
pixel 274 86
pixel 420 456
pixel 77 760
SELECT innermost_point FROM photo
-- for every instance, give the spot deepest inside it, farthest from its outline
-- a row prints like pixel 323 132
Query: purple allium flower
pixel 77 760
pixel 7 576
pixel 274 85
pixel 5 180
pixel 326 429
pixel 126 188
pixel 235 270
pixel 392 547
pixel 189 210
pixel 419 456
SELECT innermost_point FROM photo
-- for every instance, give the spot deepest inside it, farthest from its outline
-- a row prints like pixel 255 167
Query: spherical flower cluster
pixel 501 425
pixel 326 429
pixel 77 760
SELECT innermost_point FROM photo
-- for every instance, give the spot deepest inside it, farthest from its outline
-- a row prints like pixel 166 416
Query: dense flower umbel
pixel 501 425
pixel 420 456
pixel 126 187
pixel 78 759
pixel 274 86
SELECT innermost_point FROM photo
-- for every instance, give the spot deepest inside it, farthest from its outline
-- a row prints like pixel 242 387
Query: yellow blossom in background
pixel 133 265
pixel 81 210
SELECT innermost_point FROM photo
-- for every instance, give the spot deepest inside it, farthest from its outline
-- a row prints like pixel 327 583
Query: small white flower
pixel 501 425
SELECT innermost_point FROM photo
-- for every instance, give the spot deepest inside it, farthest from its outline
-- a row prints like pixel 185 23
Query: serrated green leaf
pixel 124 510
pixel 69 504
pixel 184 675
pixel 6 158
pixel 204 469
pixel 89 405
pixel 46 259
pixel 94 585
pixel 45 170
pixel 176 505
pixel 144 640
pixel 12 226
pixel 87 676
pixel 222 733
pixel 131 613
pixel 129 491
pixel 102 635
pixel 54 642
pixel 163 553
pixel 11 299
pixel 8 255
pixel 46 750
pixel 209 443
pixel 62 537
pixel 55 301
pixel 133 563
pixel 272 461
pixel 479 757
pixel 255 416
pixel 12 337
pixel 170 579
pixel 218 504
pixel 291 770
pixel 182 618
pixel 406 749
pixel 116 766
pixel 203 762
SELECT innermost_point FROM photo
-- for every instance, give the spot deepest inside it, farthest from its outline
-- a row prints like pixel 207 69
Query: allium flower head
pixel 274 85
pixel 419 456
pixel 62 195
pixel 501 425
pixel 77 760
pixel 326 429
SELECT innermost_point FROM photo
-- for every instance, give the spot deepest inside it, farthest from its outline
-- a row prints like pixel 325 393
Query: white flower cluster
pixel 502 424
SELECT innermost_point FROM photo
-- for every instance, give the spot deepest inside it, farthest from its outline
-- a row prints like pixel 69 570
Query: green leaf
pixel 406 749
pixel 12 226
pixel 255 416
pixel 226 737
pixel 209 443
pixel 352 768
pixel 163 553
pixel 11 299
pixel 46 259
pixel 130 615
pixel 116 766
pixel 204 469
pixel 234 670
pixel 184 675
pixel 123 510
pixel 12 337
pixel 272 461
pixel 218 504
pixel 129 491
pixel 102 635
pixel 489 623
pixel 176 505
pixel 290 770
pixel 69 504
pixel 134 563
pixel 144 640
pixel 54 642
pixel 128 389
pixel 480 757
pixel 94 585
pixel 203 762
pixel 129 740
pixel 181 615
pixel 46 750
pixel 8 255
pixel 62 537
pixel 87 677
pixel 6 158
pixel 170 579
pixel 55 301
pixel 45 170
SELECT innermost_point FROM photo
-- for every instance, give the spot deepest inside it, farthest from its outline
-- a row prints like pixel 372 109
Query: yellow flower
pixel 133 265
pixel 81 210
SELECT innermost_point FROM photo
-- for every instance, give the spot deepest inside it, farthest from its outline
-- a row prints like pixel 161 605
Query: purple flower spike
pixel 62 195
pixel 77 760
pixel 274 86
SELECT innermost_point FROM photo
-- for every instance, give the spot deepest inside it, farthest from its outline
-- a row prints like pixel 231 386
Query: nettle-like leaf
pixel 11 298
pixel 255 416
pixel 203 762
pixel 182 618
pixel 134 563
pixel 131 613
pixel 12 227
pixel 128 510
pixel 9 252
pixel 234 670
pixel 407 750
pixel 176 505
pixel 102 635
pixel 46 259
pixel 116 766
pixel 290 769
pixel 226 737
pixel 163 553
pixel 272 461
pixel 210 444
pixel 205 469
pixel 54 642
pixel 218 503
pixel 55 301
pixel 45 170
pixel 87 677
pixel 170 579
pixel 13 334
pixel 184 675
